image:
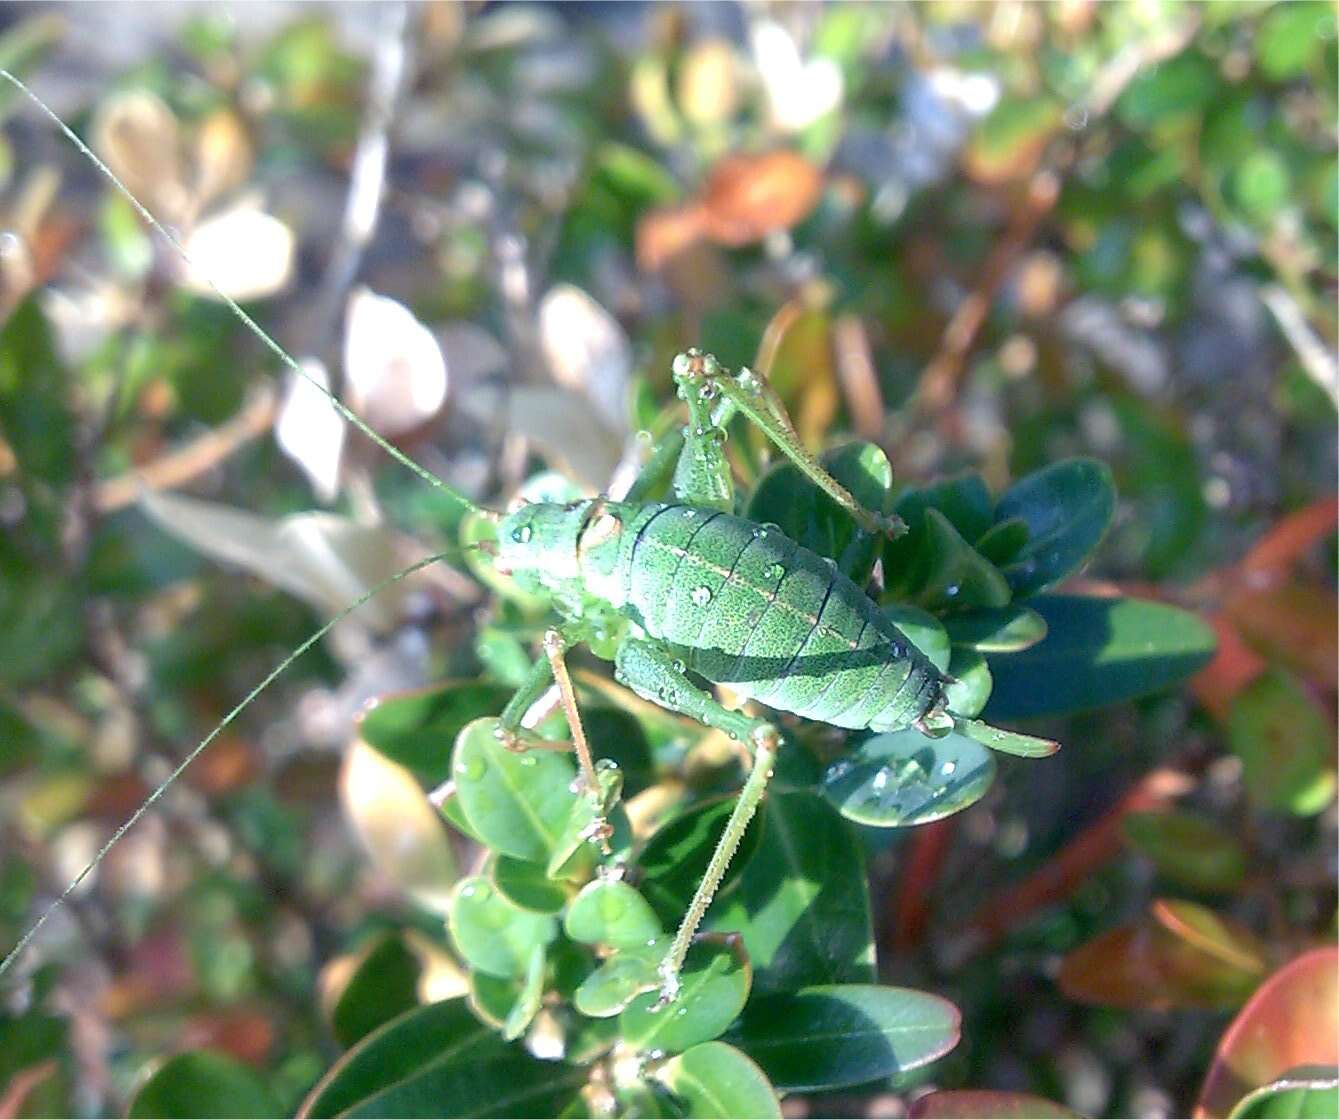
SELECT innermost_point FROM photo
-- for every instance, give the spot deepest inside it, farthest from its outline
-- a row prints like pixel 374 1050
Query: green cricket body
pixel 739 603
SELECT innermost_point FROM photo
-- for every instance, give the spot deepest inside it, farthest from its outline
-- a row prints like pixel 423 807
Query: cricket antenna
pixel 254 327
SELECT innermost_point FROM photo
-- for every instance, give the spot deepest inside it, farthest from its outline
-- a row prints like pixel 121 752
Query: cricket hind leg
pixel 651 671
pixel 700 376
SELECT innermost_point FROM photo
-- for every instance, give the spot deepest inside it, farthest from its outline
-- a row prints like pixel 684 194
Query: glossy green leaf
pixel 1003 541
pixel 492 998
pixel 913 563
pixel 384 985
pixel 1067 508
pixel 959 578
pixel 676 857
pixel 577 851
pixel 905 778
pixel 1307 1093
pixel 1285 741
pixel 526 885
pixel 528 999
pixel 923 630
pixel 808 869
pixel 206 1084
pixel 970 687
pixel 609 912
pixel 1292 36
pixel 490 933
pixel 784 497
pixel 1180 87
pixel 1188 848
pixel 713 988
pixel 517 802
pixel 1097 651
pixel 963 499
pixel 416 729
pixel 445 1031
pixel 1005 741
pixel 1004 630
pixel 620 979
pixel 844 1034
pixel 714 1081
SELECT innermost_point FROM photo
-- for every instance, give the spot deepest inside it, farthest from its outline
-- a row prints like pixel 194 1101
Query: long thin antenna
pixel 274 673
pixel 255 328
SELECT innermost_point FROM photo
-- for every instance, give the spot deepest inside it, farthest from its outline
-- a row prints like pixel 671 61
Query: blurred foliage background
pixel 982 235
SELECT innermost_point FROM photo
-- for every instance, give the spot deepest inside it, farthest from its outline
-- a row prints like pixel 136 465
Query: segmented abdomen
pixel 748 607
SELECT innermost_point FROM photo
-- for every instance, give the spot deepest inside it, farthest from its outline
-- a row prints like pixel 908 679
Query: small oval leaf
pixel 905 778
pixel 1004 630
pixel 1187 848
pixel 525 885
pixel 493 935
pixel 608 912
pixel 202 1083
pixel 713 988
pixel 844 1034
pixel 717 1082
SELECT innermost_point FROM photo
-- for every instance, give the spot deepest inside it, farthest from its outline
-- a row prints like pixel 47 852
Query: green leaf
pixel 417 728
pixel 1178 88
pixel 1004 630
pixel 970 688
pixel 964 501
pixel 1285 741
pixel 517 802
pixel 1292 36
pixel 529 999
pixel 608 912
pixel 493 935
pixel 717 1082
pixel 1097 651
pixel 844 1034
pixel 36 420
pixel 784 497
pixel 1306 1092
pixel 205 1084
pixel 527 886
pixel 620 979
pixel 1187 848
pixel 958 578
pixel 445 1032
pixel 577 849
pixel 492 998
pixel 1003 541
pixel 676 856
pixel 512 1084
pixel 802 906
pixel 713 988
pixel 905 778
pixel 384 985
pixel 922 630
pixel 1067 508
pixel 1261 184
pixel 1007 742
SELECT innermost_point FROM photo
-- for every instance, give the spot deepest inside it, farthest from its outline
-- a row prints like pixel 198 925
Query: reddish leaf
pixel 248 1035
pixel 1183 956
pixel 1295 623
pixel 965 1104
pixel 1233 667
pixel 668 232
pixel 1292 1020
pixel 748 197
pixel 1278 550
pixel 1188 849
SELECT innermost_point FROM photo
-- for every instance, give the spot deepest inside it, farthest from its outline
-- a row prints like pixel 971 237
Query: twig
pixel 1317 359
pixel 189 462
pixel 858 377
pixel 939 380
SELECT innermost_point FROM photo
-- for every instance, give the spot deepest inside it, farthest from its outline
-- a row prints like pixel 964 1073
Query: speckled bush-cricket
pixel 680 594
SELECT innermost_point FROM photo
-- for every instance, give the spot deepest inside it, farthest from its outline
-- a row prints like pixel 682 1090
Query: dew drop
pixel 528 760
pixel 605 765
pixel 776 571
pixel 701 596
pixel 689 514
pixel 472 768
pixel 952 590
pixel 522 534
pixel 680 666
pixel 949 767
pixel 681 1013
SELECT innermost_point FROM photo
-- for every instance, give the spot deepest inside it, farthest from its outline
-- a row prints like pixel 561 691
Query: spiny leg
pixel 700 376
pixel 651 672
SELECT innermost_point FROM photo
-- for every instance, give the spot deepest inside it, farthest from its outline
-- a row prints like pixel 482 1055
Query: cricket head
pixel 537 544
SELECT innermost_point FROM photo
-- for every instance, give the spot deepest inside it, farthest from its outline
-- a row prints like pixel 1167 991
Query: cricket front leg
pixel 750 393
pixel 650 671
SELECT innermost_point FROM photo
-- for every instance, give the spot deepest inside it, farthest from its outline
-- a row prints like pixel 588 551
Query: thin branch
pixel 938 383
pixel 1317 359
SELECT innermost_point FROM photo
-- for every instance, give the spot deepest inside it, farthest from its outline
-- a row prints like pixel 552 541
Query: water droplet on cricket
pixel 528 760
pixel 776 571
pixel 701 596
pixel 522 534
pixel 949 767
pixel 680 666
pixel 689 514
